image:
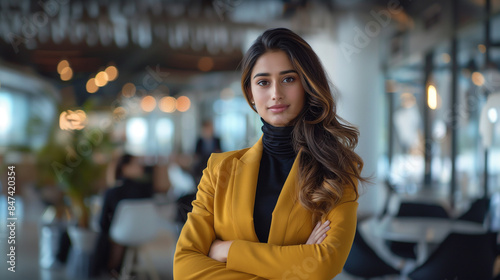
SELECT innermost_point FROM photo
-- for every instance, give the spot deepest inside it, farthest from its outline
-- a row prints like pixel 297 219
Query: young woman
pixel 286 207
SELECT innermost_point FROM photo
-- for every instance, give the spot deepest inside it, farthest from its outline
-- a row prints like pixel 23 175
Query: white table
pixel 423 231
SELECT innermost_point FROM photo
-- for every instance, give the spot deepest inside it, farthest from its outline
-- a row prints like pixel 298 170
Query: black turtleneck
pixel 277 160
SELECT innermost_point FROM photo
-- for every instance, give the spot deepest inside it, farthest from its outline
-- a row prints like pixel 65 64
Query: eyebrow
pixel 281 73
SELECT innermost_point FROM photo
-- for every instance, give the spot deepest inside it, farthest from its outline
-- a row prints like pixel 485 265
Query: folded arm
pixel 191 259
pixel 316 261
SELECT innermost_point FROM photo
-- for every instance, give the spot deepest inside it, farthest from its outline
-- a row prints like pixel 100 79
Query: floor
pixel 28 211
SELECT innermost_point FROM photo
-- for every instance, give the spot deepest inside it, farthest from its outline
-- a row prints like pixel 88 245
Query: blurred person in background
pixel 131 182
pixel 206 145
pixel 286 207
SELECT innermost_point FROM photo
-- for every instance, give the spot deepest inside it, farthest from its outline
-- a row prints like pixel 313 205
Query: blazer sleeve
pixel 318 261
pixel 191 259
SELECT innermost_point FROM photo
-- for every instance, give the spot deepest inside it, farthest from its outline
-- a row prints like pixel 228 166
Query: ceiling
pixel 175 37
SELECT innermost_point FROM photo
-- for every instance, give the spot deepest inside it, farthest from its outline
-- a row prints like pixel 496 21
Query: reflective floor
pixel 27 237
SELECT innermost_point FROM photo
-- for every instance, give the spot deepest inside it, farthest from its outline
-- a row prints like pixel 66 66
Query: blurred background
pixel 84 82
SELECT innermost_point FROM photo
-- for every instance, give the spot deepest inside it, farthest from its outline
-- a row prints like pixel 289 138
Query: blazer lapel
pixel 245 174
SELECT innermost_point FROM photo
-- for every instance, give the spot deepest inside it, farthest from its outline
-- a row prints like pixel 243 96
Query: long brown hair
pixel 328 164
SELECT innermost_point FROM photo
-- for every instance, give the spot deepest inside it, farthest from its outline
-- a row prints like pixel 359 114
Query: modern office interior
pixel 83 83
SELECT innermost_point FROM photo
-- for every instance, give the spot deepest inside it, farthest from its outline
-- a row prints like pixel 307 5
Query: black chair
pixel 364 262
pixel 477 211
pixel 414 209
pixel 184 206
pixel 460 256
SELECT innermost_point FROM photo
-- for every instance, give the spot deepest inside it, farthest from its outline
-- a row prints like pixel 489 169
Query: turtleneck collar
pixel 277 141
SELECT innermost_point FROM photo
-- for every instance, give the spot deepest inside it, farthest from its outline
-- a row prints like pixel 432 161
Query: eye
pixel 262 83
pixel 288 79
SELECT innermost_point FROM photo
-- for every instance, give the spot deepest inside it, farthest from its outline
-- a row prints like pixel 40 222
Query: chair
pixel 414 209
pixel 418 209
pixel 135 223
pixel 364 262
pixel 477 212
pixel 460 256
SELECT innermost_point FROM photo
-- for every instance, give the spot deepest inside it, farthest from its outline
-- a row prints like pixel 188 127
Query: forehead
pixel 272 62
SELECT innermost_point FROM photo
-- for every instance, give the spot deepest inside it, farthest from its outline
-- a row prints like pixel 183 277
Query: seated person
pixel 131 183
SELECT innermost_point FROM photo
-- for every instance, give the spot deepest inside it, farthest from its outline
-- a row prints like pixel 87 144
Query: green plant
pixel 68 160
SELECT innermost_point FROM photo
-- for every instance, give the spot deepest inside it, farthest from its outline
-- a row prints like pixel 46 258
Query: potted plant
pixel 69 160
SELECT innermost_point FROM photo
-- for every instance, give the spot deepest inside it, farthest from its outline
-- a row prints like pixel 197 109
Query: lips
pixel 278 108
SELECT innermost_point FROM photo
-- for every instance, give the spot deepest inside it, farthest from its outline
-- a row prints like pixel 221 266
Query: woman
pixel 286 207
pixel 131 183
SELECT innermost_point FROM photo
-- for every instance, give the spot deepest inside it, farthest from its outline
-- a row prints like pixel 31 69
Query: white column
pixel 354 68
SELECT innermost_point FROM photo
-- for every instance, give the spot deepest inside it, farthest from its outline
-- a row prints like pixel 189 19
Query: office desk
pixel 426 232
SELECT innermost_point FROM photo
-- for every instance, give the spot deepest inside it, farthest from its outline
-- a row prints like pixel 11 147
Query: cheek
pixel 258 95
pixel 298 95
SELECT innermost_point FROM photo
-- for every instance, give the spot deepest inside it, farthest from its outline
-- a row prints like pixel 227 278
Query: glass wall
pixel 426 116
pixel 406 103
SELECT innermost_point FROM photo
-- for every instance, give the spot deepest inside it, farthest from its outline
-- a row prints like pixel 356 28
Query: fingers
pixel 319 233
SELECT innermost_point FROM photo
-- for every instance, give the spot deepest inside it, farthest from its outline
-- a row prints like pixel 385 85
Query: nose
pixel 276 93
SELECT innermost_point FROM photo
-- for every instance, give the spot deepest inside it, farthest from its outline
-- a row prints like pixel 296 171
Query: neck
pixel 277 140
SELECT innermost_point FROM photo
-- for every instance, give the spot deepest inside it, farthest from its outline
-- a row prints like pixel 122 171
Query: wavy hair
pixel 328 164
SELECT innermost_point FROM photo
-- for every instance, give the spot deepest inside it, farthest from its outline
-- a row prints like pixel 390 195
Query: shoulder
pixel 350 194
pixel 225 158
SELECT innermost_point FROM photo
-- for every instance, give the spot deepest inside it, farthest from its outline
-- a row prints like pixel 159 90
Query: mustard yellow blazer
pixel 223 209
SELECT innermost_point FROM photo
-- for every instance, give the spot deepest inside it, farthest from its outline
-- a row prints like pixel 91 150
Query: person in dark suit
pixel 131 183
pixel 205 146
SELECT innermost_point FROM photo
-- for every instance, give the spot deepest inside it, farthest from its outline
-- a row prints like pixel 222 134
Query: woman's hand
pixel 319 233
pixel 219 250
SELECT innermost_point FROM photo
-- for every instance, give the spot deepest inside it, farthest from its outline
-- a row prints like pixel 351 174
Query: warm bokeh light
pixel 148 103
pixel 183 103
pixel 67 74
pixel 72 120
pixel 101 79
pixel 432 99
pixel 119 113
pixel 477 79
pixel 128 90
pixel 91 86
pixel 481 48
pixel 445 57
pixel 61 65
pixel 112 73
pixel 167 104
pixel 205 64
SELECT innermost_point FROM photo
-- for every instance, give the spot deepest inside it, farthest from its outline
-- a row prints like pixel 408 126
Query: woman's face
pixel 276 89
